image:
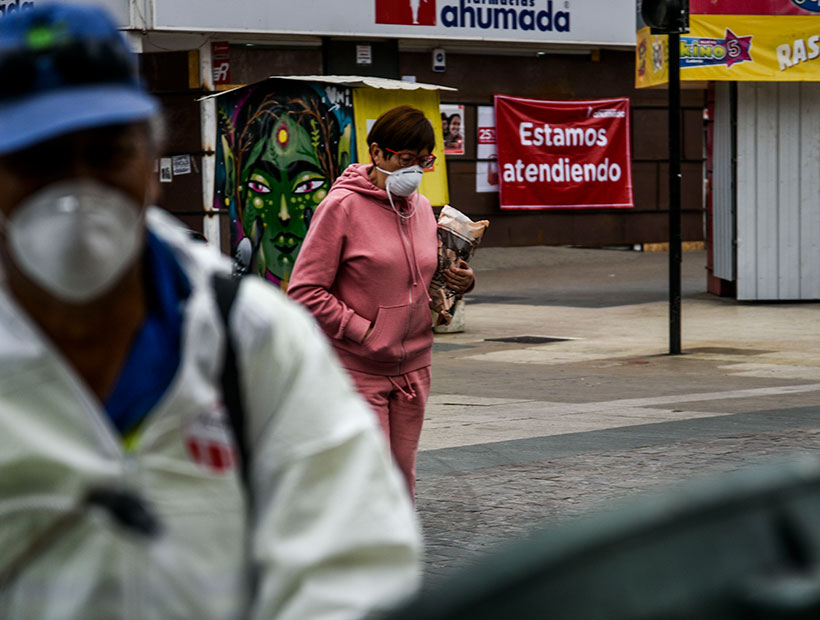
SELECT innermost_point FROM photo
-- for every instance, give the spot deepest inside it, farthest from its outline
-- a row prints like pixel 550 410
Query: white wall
pixel 778 191
pixel 605 22
pixel 582 22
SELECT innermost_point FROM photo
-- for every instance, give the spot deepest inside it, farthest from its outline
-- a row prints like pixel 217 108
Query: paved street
pixel 526 434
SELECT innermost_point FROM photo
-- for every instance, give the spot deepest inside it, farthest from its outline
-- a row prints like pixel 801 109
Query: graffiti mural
pixel 280 146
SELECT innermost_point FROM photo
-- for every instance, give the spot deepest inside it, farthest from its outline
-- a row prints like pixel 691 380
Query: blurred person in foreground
pixel 364 270
pixel 112 421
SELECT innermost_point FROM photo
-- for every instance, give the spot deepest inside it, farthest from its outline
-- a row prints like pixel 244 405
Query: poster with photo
pixel 486 168
pixel 452 126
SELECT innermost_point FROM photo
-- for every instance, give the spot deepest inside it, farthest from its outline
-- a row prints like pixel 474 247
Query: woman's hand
pixel 459 278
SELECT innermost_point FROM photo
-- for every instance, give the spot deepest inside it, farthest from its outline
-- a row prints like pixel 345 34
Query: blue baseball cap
pixel 65 68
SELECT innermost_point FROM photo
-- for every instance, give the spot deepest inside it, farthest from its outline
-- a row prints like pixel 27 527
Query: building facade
pixel 542 49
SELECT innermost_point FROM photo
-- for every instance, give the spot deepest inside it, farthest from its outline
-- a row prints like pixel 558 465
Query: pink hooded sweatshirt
pixel 363 265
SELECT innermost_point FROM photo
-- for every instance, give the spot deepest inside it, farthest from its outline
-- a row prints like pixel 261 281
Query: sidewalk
pixel 517 433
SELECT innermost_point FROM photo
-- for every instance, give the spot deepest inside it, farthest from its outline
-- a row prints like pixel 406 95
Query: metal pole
pixel 211 225
pixel 674 195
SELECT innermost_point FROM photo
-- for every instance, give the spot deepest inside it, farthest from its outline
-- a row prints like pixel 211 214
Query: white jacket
pixel 333 531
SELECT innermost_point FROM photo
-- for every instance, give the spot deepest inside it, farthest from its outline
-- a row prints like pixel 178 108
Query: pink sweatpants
pixel 399 403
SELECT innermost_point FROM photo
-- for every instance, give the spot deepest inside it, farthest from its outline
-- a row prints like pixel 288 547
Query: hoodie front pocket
pixel 389 330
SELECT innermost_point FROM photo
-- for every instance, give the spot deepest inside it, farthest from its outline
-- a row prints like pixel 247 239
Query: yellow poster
pixel 651 59
pixel 783 48
pixel 370 103
pixel 753 48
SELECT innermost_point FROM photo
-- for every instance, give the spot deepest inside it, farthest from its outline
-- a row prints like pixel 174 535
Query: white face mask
pixel 404 181
pixel 75 239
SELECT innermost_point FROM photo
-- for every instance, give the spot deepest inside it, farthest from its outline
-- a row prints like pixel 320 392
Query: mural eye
pixel 259 188
pixel 309 186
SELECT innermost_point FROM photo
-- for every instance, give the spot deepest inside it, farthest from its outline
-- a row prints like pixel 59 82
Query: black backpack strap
pixel 226 289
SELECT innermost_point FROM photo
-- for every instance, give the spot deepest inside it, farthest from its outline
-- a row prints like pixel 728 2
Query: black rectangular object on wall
pixel 340 58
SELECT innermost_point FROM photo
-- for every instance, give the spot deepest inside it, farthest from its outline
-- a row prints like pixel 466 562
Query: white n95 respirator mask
pixel 404 181
pixel 75 239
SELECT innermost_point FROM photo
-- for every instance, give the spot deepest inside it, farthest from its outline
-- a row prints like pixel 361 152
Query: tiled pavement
pixel 466 514
pixel 520 436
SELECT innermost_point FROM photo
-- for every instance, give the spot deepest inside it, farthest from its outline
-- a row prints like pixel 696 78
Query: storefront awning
pixel 350 81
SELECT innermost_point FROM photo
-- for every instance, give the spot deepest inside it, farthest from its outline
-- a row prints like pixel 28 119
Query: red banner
pixel 563 154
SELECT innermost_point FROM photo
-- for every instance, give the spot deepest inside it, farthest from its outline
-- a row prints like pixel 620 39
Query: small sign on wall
pixel 364 55
pixel 486 168
pixel 221 63
pixel 165 170
pixel 181 164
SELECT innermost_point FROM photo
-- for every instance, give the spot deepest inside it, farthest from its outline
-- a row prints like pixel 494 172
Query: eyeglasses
pixel 407 158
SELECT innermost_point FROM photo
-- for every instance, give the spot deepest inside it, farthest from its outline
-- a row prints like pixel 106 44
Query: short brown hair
pixel 403 128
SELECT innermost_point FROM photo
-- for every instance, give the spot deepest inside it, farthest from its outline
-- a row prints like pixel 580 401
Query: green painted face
pixel 283 186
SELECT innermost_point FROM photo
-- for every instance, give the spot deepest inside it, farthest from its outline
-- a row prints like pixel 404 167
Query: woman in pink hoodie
pixel 363 272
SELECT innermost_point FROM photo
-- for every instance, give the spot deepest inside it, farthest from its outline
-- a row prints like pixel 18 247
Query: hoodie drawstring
pixel 409 252
pixel 415 268
pixel 409 395
pixel 413 249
